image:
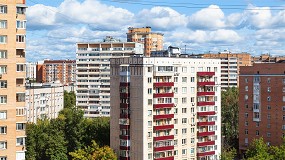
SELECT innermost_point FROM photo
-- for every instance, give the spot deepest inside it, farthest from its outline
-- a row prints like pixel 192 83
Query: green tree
pixel 94 152
pixel 258 150
pixel 228 154
pixel 69 99
pixel 278 152
pixel 230 117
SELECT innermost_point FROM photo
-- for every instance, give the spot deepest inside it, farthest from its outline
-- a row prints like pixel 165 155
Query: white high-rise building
pixel 31 70
pixel 166 108
pixel 93 73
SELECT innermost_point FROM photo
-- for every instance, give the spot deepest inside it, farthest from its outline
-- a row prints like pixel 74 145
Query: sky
pixel 253 26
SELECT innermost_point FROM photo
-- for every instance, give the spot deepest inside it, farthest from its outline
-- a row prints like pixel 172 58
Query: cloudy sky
pixel 253 26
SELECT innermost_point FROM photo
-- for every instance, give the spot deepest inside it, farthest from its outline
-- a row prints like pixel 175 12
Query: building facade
pixel 262 104
pixel 230 63
pixel 43 101
pixel 54 70
pixel 165 108
pixel 152 41
pixel 31 70
pixel 93 74
pixel 12 78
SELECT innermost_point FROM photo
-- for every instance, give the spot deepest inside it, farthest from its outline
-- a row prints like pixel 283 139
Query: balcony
pixel 164 158
pixel 124 126
pixel 206 83
pixel 124 84
pixel 165 148
pixel 203 74
pixel 124 158
pixel 208 143
pixel 206 113
pixel 163 116
pixel 206 123
pixel 125 137
pixel 207 133
pixel 124 95
pixel 124 115
pixel 164 127
pixel 205 154
pixel 125 147
pixel 124 105
pixel 160 138
pixel 205 93
pixel 163 105
pixel 163 84
pixel 205 103
pixel 158 95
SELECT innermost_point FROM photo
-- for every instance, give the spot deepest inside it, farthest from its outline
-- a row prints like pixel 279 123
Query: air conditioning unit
pixel 193 104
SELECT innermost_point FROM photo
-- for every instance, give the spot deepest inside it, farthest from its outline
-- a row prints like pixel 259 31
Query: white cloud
pixel 258 17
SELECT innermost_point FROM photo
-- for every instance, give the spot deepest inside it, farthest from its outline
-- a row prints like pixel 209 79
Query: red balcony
pixel 158 95
pixel 206 103
pixel 124 158
pixel 124 84
pixel 124 105
pixel 206 113
pixel 205 93
pixel 206 123
pixel 165 158
pixel 124 115
pixel 163 105
pixel 125 137
pixel 124 95
pixel 124 126
pixel 206 83
pixel 200 144
pixel 163 116
pixel 205 154
pixel 163 84
pixel 125 147
pixel 165 148
pixel 202 74
pixel 160 138
pixel 202 134
pixel 163 127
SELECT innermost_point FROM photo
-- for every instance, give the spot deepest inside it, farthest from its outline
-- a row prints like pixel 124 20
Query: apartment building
pixel 93 73
pixel 165 108
pixel 31 70
pixel 230 63
pixel 12 78
pixel 266 58
pixel 261 104
pixel 53 70
pixel 152 41
pixel 44 101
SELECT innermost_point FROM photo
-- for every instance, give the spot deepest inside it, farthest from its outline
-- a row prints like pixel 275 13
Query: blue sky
pixel 254 26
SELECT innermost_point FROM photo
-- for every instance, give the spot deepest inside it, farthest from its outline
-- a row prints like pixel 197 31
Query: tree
pixel 228 154
pixel 258 150
pixel 69 99
pixel 94 152
pixel 230 117
pixel 278 152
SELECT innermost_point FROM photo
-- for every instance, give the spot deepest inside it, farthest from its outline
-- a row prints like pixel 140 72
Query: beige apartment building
pixel 165 108
pixel 12 78
pixel 152 41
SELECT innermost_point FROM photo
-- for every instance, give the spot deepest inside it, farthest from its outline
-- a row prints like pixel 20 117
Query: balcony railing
pixel 158 95
pixel 163 116
pixel 205 103
pixel 206 154
pixel 159 138
pixel 205 123
pixel 208 143
pixel 207 133
pixel 165 148
pixel 163 105
pixel 206 83
pixel 205 93
pixel 124 105
pixel 206 74
pixel 163 127
pixel 163 84
pixel 165 158
pixel 206 113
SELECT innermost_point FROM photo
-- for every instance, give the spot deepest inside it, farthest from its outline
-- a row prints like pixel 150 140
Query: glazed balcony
pixel 206 113
pixel 207 143
pixel 163 84
pixel 160 138
pixel 124 126
pixel 205 93
pixel 206 83
pixel 159 95
pixel 165 158
pixel 125 147
pixel 207 133
pixel 163 105
pixel 163 116
pixel 165 148
pixel 206 123
pixel 125 137
pixel 125 115
pixel 203 154
pixel 206 103
pixel 124 84
pixel 163 127
pixel 124 105
pixel 124 95
pixel 203 74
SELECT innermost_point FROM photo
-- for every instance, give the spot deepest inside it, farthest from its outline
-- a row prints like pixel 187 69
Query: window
pixel 246 80
pixel 283 127
pixel 184 130
pixel 3 54
pixel 149 156
pixel 149 145
pixel 3 145
pixel 175 110
pixel 175 131
pixel 184 120
pixel 184 79
pixel 149 112
pixel 20 38
pixel 246 123
pixel 246 115
pixel 20 126
pixel 3 158
pixel 184 110
pixel 283 98
pixel 149 69
pixel 192 79
pixel 21 24
pixel 283 108
pixel 184 69
pixel 3 24
pixel 3 129
pixel 175 153
pixel 246 88
pixel 175 121
pixel 3 38
pixel 246 105
pixel 246 132
pixel 192 69
pixel 3 84
pixel 257 132
pixel 245 97
pixel 20 111
pixel 175 79
pixel 20 141
pixel 3 69
pixel 21 10
pixel 3 9
pixel 268 134
pixel 149 90
pixel 268 107
pixel 184 151
pixel 192 130
pixel 149 134
pixel 215 69
pixel 184 89
pixel 184 100
pixel 20 97
pixel 3 99
pixel 20 67
pixel 268 80
pixel 268 89
pixel 268 98
pixel 184 141
pixel 149 101
pixel 192 89
pixel 268 116
pixel 175 142
pixel 149 80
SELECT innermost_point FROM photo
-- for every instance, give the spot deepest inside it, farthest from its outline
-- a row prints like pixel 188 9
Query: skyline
pixel 54 27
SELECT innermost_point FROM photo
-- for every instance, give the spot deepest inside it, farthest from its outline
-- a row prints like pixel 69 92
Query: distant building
pixel 152 41
pixel 230 64
pixel 93 73
pixel 53 70
pixel 261 104
pixel 266 58
pixel 31 70
pixel 165 108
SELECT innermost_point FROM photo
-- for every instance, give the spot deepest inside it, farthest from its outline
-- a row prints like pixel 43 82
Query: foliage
pixel 94 152
pixel 228 154
pixel 69 99
pixel 230 117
